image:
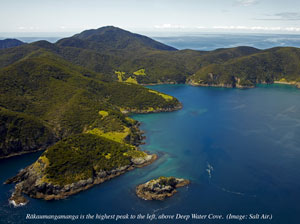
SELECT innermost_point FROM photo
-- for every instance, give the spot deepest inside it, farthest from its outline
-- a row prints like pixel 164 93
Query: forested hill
pixel 280 64
pixel 111 38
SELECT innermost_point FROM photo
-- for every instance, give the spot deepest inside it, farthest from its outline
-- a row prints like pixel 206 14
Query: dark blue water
pixel 247 139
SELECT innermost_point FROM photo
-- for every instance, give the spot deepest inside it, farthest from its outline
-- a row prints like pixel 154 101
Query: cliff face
pixel 30 181
pixel 20 133
pixel 215 80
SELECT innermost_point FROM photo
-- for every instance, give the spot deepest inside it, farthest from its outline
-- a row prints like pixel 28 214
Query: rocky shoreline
pixel 297 84
pixel 160 188
pixel 222 85
pixel 170 109
pixel 29 182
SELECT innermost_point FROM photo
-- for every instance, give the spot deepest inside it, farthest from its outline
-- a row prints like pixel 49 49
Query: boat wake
pixel 209 170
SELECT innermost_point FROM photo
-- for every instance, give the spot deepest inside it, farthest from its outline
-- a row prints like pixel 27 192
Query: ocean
pixel 195 41
pixel 212 41
pixel 239 148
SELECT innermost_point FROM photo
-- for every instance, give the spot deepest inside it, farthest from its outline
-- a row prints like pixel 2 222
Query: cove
pixel 239 148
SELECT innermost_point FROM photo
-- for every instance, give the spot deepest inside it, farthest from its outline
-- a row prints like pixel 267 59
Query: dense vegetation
pixel 276 64
pixel 67 98
pixel 22 133
pixel 110 50
pixel 80 157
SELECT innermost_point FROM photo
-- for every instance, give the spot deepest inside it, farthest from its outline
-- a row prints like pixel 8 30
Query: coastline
pixel 293 83
pixel 170 109
pixel 229 86
pixel 48 191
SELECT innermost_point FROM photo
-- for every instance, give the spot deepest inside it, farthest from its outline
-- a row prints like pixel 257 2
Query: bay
pixel 239 148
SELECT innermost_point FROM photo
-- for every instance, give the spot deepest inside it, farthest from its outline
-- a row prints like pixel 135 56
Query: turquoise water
pixel 239 148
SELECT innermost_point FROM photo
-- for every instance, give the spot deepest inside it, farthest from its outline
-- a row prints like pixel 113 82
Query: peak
pixel 110 38
pixel 109 28
pixel 100 31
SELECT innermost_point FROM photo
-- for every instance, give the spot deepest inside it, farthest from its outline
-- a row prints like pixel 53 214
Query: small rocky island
pixel 160 188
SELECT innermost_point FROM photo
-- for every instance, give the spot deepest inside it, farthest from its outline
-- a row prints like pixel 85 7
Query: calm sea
pixel 211 41
pixel 239 148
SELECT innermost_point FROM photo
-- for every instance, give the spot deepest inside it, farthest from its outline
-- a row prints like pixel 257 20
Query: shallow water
pixel 239 148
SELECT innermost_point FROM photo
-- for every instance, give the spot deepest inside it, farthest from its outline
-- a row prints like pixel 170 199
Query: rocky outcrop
pixel 158 110
pixel 17 199
pixel 31 181
pixel 160 188
pixel 236 83
pixel 297 84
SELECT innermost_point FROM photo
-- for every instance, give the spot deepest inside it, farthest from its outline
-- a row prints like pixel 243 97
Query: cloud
pixel 169 26
pixel 178 27
pixel 229 28
pixel 28 28
pixel 283 16
pixel 200 27
pixel 258 28
pixel 246 2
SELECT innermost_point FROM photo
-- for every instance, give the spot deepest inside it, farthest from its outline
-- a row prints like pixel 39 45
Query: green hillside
pixel 67 99
pixel 111 49
pixel 111 39
pixel 268 66
pixel 21 133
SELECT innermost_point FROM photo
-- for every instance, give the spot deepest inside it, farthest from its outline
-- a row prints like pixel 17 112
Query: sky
pixel 250 16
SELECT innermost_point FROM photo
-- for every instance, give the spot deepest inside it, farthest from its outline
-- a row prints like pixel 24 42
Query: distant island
pixel 73 99
pixel 8 43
